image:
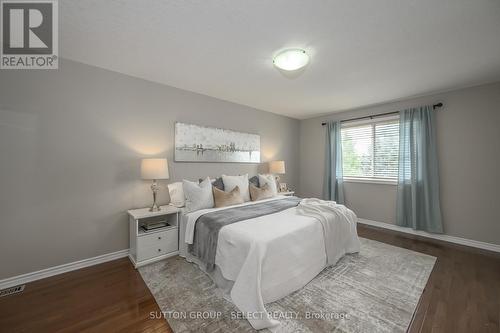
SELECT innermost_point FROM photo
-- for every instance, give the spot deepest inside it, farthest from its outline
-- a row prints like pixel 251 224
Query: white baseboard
pixel 446 238
pixel 51 271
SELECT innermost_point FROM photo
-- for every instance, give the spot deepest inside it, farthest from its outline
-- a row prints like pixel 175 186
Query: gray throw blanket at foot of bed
pixel 206 230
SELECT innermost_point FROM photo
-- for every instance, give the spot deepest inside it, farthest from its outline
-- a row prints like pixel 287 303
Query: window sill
pixel 371 181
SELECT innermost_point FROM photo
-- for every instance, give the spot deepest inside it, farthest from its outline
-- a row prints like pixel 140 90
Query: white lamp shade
pixel 277 167
pixel 154 168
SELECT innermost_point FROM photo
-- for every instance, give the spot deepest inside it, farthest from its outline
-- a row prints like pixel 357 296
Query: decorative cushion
pixel 271 181
pixel 198 196
pixel 217 182
pixel 263 192
pixel 254 180
pixel 176 193
pixel 231 182
pixel 223 199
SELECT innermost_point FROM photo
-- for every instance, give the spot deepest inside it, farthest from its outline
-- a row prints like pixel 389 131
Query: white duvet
pixel 271 256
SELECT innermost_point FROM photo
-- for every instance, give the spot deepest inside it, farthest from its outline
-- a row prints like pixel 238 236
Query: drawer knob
pixel 159 250
pixel 159 237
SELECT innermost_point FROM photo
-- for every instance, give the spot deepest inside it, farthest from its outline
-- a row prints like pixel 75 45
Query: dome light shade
pixel 291 59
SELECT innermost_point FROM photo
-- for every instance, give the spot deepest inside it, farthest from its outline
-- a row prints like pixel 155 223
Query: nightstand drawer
pixel 156 244
pixel 162 237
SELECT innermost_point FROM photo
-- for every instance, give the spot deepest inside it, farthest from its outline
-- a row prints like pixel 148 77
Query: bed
pixel 265 257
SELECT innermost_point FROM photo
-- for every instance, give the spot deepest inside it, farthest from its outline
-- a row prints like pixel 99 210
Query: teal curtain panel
pixel 418 204
pixel 333 187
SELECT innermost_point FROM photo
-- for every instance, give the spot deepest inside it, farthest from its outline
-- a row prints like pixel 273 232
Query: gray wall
pixel 468 134
pixel 71 141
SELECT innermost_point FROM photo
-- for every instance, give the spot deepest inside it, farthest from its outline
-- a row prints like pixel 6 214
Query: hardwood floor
pixel 462 295
pixel 110 297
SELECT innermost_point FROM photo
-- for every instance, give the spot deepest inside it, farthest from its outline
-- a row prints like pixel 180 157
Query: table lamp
pixel 277 168
pixel 154 169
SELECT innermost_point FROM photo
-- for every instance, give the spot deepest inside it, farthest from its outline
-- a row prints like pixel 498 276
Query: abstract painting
pixel 194 143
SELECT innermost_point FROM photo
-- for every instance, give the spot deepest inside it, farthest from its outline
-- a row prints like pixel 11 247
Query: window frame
pixel 370 180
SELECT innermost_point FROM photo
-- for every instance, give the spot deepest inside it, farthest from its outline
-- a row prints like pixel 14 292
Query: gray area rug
pixel 376 290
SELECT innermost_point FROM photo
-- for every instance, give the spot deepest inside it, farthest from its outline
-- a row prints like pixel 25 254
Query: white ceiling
pixel 362 52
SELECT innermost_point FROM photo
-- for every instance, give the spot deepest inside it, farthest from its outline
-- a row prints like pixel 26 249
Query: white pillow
pixel 176 194
pixel 198 196
pixel 230 182
pixel 270 181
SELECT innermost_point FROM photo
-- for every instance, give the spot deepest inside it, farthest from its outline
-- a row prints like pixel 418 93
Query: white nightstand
pixel 150 246
pixel 287 193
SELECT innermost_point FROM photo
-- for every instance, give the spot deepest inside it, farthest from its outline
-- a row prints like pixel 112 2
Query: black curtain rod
pixel 435 106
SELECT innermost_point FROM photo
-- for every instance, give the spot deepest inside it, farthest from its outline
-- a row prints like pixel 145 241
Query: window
pixel 370 149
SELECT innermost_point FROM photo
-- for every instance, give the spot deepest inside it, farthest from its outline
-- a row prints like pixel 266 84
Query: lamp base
pixel 277 178
pixel 155 208
pixel 154 189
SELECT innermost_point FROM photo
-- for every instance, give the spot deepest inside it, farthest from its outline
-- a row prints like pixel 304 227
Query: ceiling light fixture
pixel 291 59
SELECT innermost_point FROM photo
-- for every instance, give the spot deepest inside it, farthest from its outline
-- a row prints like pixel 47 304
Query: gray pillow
pixel 254 180
pixel 217 183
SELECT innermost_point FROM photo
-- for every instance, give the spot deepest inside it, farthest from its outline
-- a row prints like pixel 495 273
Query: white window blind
pixel 370 150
